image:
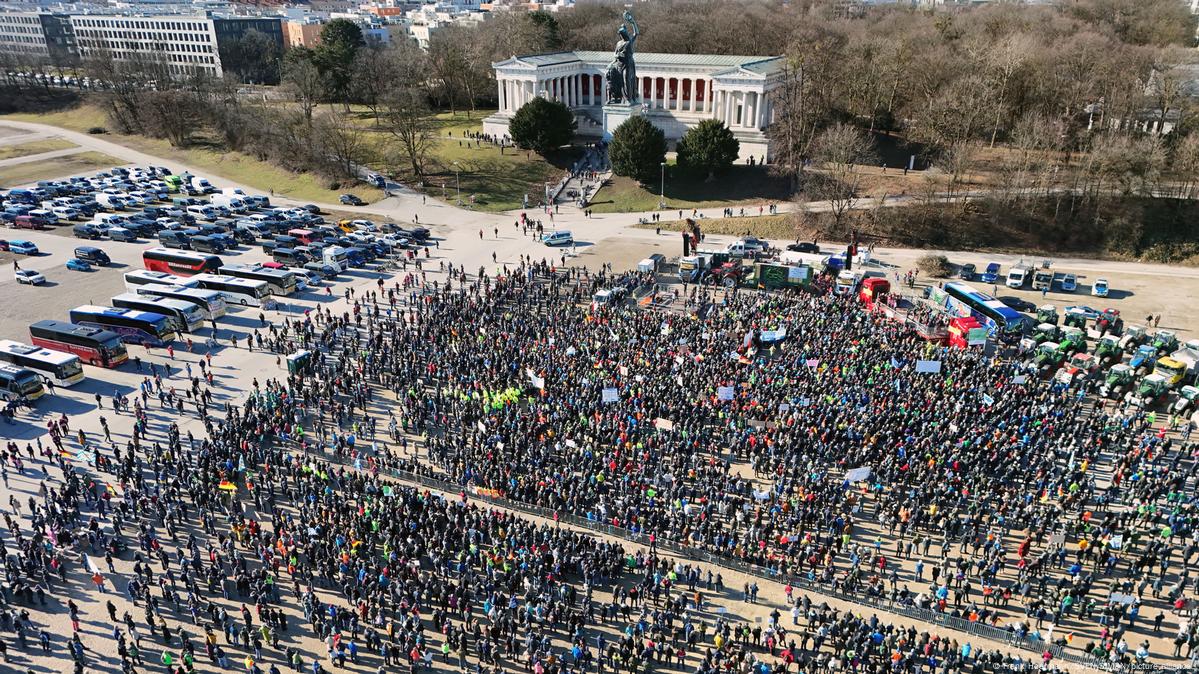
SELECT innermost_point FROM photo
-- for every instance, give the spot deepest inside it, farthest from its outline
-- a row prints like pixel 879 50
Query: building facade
pixel 22 34
pixel 676 92
pixel 187 45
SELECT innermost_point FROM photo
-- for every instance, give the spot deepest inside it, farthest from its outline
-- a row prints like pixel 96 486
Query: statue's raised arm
pixel 628 16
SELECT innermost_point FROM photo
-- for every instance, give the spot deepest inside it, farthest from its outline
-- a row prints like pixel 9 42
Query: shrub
pixel 936 266
pixel 97 130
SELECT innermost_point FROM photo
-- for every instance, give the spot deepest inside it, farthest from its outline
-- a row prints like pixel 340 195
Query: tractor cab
pixel 1188 399
pixel 1143 359
pixel 1152 390
pixel 1173 370
pixel 1047 332
pixel 1076 318
pixel 1074 339
pixel 1165 341
pixel 1134 336
pixel 1048 357
pixel 1108 350
pixel 1109 322
pixel 1116 383
pixel 1081 367
pixel 1047 313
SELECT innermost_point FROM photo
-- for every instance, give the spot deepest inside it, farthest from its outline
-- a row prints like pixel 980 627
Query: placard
pixel 610 395
pixel 1019 379
pixel 929 366
pixel 724 392
pixel 664 424
pixel 857 474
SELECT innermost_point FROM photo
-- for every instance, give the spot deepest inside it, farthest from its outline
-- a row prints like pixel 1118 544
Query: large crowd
pixel 800 435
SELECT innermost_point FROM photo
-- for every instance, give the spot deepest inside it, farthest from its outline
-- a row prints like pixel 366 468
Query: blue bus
pixel 997 317
pixel 133 326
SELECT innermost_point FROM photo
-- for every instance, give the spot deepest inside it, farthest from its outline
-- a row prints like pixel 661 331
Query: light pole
pixel 662 190
pixel 458 181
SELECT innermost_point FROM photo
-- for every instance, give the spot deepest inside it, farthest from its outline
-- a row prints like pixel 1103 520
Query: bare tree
pixel 406 113
pixel 838 150
pixel 305 81
pixel 342 143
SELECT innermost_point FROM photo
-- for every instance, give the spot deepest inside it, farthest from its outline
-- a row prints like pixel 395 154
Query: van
pixel 206 244
pixel 257 229
pixel 287 241
pixel 172 238
pixel 121 234
pixel 93 254
pixel 28 222
pixel 87 232
pixel 560 238
pixel 289 256
pixel 1017 277
pixel 111 201
pixel 324 269
pixel 202 212
pixel 233 203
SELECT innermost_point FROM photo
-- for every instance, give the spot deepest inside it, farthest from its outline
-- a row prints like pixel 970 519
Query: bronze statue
pixel 622 72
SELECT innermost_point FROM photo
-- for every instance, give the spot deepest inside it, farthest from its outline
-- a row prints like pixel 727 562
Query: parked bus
pixel 236 290
pixel 133 326
pixel 181 262
pixel 280 282
pixel 64 369
pixel 184 316
pixel 94 346
pixel 20 382
pixel 210 302
pixel 963 300
pixel 140 277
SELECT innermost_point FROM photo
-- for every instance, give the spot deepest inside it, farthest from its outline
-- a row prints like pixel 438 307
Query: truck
pixel 1017 276
pixel 1042 279
pixel 693 268
pixel 336 256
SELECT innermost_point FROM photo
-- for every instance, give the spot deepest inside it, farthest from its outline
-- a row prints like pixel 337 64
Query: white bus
pixel 141 277
pixel 281 283
pixel 184 316
pixel 64 369
pixel 210 302
pixel 236 290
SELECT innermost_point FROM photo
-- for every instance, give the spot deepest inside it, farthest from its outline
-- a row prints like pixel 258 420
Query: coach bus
pixel 281 283
pixel 184 316
pixel 133 326
pixel 64 369
pixel 236 290
pixel 20 382
pixel 140 277
pixel 210 302
pixel 996 316
pixel 94 346
pixel 179 262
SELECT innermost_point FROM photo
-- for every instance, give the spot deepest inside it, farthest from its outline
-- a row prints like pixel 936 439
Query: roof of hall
pixel 763 65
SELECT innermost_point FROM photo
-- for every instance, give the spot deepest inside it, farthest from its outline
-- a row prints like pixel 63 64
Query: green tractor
pixel 1047 313
pixel 1046 332
pixel 1117 383
pixel 1134 336
pixel 1108 350
pixel 1151 391
pixel 1073 340
pixel 1165 341
pixel 1048 357
pixel 1076 318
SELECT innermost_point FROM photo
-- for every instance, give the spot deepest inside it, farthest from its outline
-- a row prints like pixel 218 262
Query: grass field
pixel 741 186
pixel 234 166
pixel 491 179
pixel 34 147
pixel 58 167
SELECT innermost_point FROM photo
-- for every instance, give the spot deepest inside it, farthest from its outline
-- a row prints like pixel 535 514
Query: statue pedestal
pixel 616 114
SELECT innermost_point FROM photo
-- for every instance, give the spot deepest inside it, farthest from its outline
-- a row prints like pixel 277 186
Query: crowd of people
pixel 800 435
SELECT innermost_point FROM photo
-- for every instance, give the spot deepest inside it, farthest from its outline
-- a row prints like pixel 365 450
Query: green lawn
pixel 34 147
pixel 58 167
pixel 79 118
pixel 742 186
pixel 491 179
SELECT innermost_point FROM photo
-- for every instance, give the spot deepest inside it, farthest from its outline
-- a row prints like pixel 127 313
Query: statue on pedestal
pixel 621 76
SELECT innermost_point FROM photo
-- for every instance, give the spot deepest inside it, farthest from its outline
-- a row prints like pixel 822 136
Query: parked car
pixel 22 247
pixel 1018 304
pixel 76 264
pixel 559 238
pixel 966 272
pixel 351 200
pixel 1069 283
pixel 991 273
pixel 803 247
pixel 1100 288
pixel 31 277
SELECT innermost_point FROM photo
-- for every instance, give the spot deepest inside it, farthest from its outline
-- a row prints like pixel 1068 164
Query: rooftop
pixel 761 65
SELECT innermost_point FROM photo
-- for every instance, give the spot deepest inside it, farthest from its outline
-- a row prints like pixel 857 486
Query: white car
pixel 1100 288
pixel 29 276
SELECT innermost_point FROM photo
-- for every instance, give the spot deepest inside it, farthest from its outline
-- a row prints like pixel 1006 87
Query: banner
pixel 538 382
pixel 664 424
pixel 774 335
pixel 724 392
pixel 857 474
pixel 976 337
pixel 1019 379
pixel 610 395
pixel 987 400
pixel 930 366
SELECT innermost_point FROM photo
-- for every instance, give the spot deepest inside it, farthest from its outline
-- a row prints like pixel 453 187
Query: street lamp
pixel 662 191
pixel 458 181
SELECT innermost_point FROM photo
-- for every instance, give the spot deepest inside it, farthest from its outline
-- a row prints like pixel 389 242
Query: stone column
pixel 751 110
pixel 690 95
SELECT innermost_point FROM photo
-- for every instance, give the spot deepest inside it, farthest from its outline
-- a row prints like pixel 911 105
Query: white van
pixel 562 238
pixel 202 212
pixel 1017 277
